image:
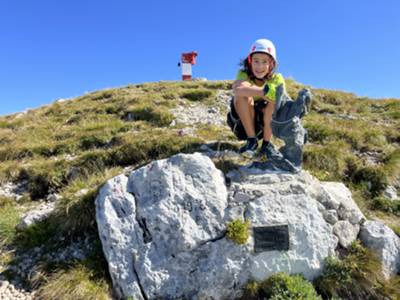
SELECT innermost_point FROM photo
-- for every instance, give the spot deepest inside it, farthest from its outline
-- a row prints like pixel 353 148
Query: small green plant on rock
pixel 281 286
pixel 238 231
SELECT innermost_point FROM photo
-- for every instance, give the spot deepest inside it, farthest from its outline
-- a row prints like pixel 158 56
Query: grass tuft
pixel 326 162
pixel 356 276
pixel 9 218
pixel 197 95
pixel 386 205
pixel 238 231
pixel 156 115
pixel 281 286
pixel 77 282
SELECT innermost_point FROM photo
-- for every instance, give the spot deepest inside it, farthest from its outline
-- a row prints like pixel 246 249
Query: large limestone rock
pixel 163 228
pixel 385 243
pixel 163 231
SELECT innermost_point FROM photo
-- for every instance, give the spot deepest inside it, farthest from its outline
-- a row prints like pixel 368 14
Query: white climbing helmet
pixel 264 46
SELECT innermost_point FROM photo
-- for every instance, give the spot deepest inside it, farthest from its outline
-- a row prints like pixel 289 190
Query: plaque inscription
pixel 268 238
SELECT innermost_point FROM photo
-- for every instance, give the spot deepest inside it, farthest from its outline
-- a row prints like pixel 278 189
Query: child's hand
pixel 238 83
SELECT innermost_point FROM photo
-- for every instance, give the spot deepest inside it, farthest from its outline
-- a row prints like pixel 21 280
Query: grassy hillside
pixel 76 145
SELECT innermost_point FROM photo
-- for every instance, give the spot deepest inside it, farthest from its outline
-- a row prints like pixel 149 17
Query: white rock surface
pixel 163 228
pixel 13 291
pixel 346 232
pixel 338 197
pixel 390 193
pixel 331 216
pixel 36 215
pixel 12 190
pixel 198 113
pixel 385 243
pixel 311 238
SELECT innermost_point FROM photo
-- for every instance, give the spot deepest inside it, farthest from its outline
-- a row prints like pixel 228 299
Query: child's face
pixel 261 63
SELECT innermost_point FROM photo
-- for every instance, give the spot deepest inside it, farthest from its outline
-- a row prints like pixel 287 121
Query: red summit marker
pixel 187 60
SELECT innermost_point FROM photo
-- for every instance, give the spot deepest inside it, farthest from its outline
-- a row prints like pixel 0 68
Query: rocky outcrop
pixel 163 228
pixel 385 243
pixel 197 113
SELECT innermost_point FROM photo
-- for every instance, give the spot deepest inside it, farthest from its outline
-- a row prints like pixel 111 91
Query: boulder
pixel 380 238
pixel 346 232
pixel 163 228
pixel 338 196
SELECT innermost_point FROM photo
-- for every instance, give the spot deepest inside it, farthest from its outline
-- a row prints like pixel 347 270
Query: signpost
pixel 187 60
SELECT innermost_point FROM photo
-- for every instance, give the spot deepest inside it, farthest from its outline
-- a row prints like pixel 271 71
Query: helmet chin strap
pixel 249 60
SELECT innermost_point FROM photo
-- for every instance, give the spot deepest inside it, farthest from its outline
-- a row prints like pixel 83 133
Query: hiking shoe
pixel 249 149
pixel 268 152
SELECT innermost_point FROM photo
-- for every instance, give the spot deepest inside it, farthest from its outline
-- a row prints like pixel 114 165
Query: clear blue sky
pixel 61 49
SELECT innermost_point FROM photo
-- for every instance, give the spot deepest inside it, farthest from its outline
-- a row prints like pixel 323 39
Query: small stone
pixel 390 193
pixel 53 197
pixel 36 215
pixel 346 232
pixel 81 193
pixel 328 201
pixel 241 197
pixel 73 173
pixel 297 188
pixel 331 216
pixel 204 148
pixel 354 216
pixel 4 285
pixel 129 117
pixel 257 193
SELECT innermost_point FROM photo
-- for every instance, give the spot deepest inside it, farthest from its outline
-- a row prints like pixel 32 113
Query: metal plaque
pixel 268 238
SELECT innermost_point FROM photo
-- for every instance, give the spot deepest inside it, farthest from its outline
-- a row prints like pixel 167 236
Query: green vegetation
pixel 156 115
pixel 396 230
pixel 77 282
pixel 281 286
pixel 9 218
pixel 197 95
pixel 238 231
pixel 386 205
pixel 356 276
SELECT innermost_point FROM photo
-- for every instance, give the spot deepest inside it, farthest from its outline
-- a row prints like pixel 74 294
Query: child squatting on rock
pixel 261 107
pixel 254 97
